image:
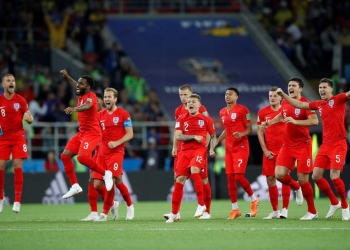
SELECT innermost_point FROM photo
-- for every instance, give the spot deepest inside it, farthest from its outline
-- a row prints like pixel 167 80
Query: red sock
pixel 340 187
pixel 2 183
pixel 287 180
pixel 69 168
pixel 101 192
pixel 285 196
pixel 325 188
pixel 92 197
pixel 198 187
pixel 273 192
pixel 90 163
pixel 108 201
pixel 232 187
pixel 125 193
pixel 308 194
pixel 18 182
pixel 177 197
pixel 207 196
pixel 244 184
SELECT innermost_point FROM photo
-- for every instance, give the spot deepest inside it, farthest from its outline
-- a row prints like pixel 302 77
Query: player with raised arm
pixel 88 137
pixel 192 129
pixel 297 147
pixel 13 110
pixel 237 124
pixel 271 145
pixel 117 129
pixel 332 153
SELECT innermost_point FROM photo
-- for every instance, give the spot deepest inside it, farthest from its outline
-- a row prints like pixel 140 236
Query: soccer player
pixel 117 129
pixel 13 109
pixel 88 137
pixel 184 92
pixel 297 147
pixel 237 124
pixel 332 153
pixel 192 129
pixel 270 145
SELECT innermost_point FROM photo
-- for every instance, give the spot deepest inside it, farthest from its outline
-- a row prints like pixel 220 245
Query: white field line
pixel 173 229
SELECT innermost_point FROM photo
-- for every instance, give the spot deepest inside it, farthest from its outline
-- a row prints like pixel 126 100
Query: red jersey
pixel 294 135
pixel 113 128
pixel 88 120
pixel 235 120
pixel 273 138
pixel 180 111
pixel 11 116
pixel 198 125
pixel 332 113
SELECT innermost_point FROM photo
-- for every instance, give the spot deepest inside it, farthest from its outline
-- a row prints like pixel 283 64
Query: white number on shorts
pixel 239 162
pixel 86 145
pixel 115 167
pixel 337 158
pixel 24 148
pixel 199 159
pixel 185 126
pixel 308 162
pixel 3 112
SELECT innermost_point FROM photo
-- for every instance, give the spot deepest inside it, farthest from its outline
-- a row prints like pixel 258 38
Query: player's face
pixel 325 91
pixel 193 105
pixel 274 99
pixel 294 90
pixel 99 104
pixel 184 94
pixel 9 84
pixel 82 87
pixel 109 100
pixel 231 97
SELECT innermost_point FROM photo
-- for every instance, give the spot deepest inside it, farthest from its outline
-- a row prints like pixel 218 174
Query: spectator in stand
pixel 73 46
pixel 112 62
pixel 38 108
pixel 27 92
pixel 10 56
pixel 51 164
pixel 152 157
pixel 154 111
pixel 136 86
pixel 124 101
pixel 283 14
pixel 57 29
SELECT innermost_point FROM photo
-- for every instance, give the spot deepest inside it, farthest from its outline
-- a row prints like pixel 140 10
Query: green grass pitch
pixel 59 227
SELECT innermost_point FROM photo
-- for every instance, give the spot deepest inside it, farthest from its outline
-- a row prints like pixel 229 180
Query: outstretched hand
pixel 64 72
pixel 279 91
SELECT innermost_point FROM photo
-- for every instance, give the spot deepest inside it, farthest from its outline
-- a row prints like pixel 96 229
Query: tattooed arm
pixel 213 143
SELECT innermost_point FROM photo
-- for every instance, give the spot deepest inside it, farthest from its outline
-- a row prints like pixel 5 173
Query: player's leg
pixel 207 197
pixel 285 201
pixel 88 144
pixel 19 152
pixel 5 152
pixel 231 186
pixel 177 195
pixel 92 198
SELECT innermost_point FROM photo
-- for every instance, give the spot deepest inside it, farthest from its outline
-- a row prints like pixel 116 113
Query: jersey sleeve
pixel 210 126
pixel 314 105
pixel 179 124
pixel 127 120
pixel 24 105
pixel 246 115
pixel 203 111
pixel 260 117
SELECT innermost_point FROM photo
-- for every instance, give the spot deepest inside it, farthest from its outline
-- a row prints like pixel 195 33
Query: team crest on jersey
pixel 200 123
pixel 115 120
pixel 331 103
pixel 16 106
pixel 233 116
pixel 297 112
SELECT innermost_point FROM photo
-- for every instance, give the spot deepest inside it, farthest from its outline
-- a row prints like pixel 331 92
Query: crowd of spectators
pixel 77 28
pixel 306 31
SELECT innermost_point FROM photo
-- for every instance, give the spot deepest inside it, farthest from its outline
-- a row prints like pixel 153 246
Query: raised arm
pixel 69 78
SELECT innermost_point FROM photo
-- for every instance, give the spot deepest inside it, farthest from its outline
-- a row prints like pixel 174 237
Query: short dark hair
pixel 233 89
pixel 195 96
pixel 327 80
pixel 89 80
pixel 273 88
pixel 298 80
pixel 186 86
pixel 99 95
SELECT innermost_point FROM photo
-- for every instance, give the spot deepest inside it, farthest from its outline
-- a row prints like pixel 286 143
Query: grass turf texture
pixel 59 227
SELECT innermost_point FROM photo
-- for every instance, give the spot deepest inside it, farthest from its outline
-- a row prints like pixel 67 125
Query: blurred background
pixel 146 49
